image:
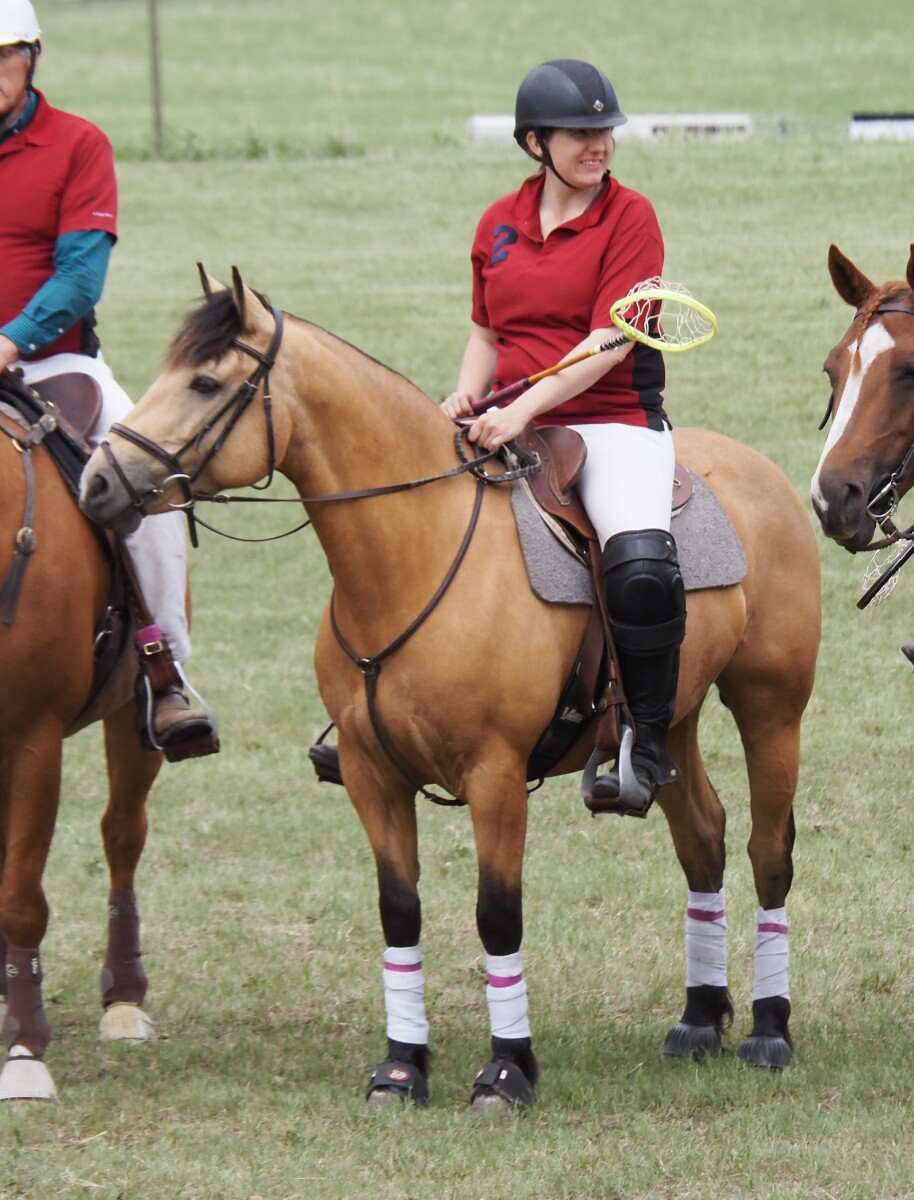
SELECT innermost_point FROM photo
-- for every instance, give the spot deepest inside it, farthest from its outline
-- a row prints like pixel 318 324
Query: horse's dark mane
pixel 209 331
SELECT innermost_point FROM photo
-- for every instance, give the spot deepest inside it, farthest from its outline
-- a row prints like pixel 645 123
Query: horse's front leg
pixel 498 805
pixel 387 809
pixel 131 773
pixel 31 791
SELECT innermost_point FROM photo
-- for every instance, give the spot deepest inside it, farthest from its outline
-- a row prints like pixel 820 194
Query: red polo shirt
pixel 541 298
pixel 56 177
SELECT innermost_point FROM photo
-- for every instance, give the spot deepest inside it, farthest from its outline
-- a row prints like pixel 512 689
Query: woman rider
pixel 548 262
pixel 58 223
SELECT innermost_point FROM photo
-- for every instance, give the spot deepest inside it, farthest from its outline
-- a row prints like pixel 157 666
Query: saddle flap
pixel 77 396
pixel 563 453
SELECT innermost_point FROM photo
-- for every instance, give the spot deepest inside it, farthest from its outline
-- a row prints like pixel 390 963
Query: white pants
pixel 158 548
pixel 627 481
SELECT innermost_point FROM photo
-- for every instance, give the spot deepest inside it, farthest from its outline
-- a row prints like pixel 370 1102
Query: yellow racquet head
pixel 664 315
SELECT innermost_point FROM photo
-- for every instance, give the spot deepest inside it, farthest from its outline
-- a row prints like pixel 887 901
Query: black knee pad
pixel 644 586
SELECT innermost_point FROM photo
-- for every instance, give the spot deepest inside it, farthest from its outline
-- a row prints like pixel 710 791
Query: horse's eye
pixel 205 385
pixel 904 374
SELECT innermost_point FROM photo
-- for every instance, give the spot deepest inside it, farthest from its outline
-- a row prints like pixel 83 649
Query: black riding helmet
pixel 564 93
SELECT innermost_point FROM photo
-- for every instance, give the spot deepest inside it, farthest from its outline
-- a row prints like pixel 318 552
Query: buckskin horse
pixel 458 695
pixel 865 466
pixel 56 588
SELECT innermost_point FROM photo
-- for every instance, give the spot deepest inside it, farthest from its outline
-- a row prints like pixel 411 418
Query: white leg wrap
pixel 506 993
pixel 772 955
pixel 706 940
pixel 159 552
pixel 404 995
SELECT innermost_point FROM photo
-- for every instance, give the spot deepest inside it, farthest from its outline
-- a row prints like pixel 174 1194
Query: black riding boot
pixel 645 598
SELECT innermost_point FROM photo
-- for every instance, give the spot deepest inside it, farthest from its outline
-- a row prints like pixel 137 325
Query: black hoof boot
pixel 508 1082
pixel 908 652
pixel 402 1077
pixel 769 1045
pixel 708 1012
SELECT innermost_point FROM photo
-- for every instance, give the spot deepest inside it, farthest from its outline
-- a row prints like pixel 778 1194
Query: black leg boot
pixel 646 602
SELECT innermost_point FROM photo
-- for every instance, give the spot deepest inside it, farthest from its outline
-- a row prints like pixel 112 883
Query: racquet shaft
pixel 514 389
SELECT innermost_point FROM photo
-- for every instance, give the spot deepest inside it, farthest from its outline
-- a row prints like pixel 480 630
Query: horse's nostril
pixel 98 487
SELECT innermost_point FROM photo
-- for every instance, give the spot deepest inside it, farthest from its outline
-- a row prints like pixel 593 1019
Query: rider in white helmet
pixel 58 224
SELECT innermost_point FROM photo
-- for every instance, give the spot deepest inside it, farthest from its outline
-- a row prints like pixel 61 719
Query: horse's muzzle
pixel 103 499
pixel 841 505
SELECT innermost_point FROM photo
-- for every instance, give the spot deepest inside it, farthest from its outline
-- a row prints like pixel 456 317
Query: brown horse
pixel 865 467
pixel 46 664
pixel 462 701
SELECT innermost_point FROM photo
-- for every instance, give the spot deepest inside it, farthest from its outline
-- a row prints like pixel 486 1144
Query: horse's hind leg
pixel 131 773
pixel 31 791
pixel 697 822
pixel 768 717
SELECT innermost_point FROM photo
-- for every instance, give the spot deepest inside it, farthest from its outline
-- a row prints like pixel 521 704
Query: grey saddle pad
pixel 710 552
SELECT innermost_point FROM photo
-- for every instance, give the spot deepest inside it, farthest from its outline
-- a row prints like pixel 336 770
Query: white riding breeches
pixel 627 480
pixel 158 548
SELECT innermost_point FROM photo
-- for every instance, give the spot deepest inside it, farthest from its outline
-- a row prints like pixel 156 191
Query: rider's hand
pixel 499 425
pixel 458 404
pixel 9 352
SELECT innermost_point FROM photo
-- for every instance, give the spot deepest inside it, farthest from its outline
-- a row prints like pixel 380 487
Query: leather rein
pixel 231 412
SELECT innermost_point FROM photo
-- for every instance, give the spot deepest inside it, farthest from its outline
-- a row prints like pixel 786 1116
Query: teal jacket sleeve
pixel 80 266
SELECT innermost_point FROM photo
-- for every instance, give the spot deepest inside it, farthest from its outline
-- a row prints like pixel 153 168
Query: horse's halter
pixel 883 504
pixel 233 409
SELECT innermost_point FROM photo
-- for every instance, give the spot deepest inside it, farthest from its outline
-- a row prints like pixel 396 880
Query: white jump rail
pixel 484 127
pixel 876 126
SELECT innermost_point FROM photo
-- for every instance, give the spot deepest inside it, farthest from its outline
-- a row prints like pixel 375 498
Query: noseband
pixel 233 409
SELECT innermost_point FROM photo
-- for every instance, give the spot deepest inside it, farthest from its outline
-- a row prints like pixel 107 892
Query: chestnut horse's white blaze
pixel 875 341
pixel 465 698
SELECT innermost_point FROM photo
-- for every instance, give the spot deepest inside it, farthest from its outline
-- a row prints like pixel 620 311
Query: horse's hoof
pixel 25 1077
pixel 692 1041
pixel 385 1098
pixel 123 1022
pixel 488 1104
pixel 766 1053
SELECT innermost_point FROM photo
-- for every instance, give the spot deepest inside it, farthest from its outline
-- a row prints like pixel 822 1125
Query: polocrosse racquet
pixel 657 313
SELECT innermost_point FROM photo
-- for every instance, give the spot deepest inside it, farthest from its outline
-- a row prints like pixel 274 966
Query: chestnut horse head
pixel 865 464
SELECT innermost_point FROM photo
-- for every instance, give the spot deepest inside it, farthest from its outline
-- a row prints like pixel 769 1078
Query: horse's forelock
pixel 207 333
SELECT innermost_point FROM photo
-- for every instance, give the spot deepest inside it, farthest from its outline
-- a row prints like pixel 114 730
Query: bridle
pixel 232 410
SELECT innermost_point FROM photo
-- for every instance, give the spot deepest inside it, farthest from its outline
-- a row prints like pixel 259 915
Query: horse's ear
pixel 910 270
pixel 249 306
pixel 209 284
pixel 850 283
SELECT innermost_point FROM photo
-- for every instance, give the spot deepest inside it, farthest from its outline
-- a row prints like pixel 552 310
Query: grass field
pixel 321 148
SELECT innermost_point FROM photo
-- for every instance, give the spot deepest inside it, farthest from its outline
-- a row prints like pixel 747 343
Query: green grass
pixel 261 934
